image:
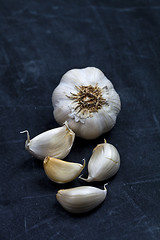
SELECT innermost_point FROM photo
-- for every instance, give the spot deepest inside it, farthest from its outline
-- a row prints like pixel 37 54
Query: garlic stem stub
pixel 60 171
pixel 56 143
pixel 103 164
pixel 81 199
pixel 88 101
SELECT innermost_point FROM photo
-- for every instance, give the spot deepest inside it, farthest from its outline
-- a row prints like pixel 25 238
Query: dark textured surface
pixel 40 41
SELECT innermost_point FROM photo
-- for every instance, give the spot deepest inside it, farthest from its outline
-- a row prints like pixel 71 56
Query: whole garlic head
pixel 87 100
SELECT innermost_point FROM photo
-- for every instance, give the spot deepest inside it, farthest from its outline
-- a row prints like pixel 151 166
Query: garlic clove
pixel 81 199
pixel 56 143
pixel 61 171
pixel 103 164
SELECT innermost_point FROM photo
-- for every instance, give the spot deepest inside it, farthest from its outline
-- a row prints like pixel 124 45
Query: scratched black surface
pixel 40 41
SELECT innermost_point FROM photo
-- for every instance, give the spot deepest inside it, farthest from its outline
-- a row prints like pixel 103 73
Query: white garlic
pixel 103 164
pixel 61 171
pixel 87 100
pixel 56 143
pixel 81 199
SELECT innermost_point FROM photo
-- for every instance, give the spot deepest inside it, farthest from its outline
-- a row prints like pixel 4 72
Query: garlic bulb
pixel 104 163
pixel 61 171
pixel 81 199
pixel 56 143
pixel 87 100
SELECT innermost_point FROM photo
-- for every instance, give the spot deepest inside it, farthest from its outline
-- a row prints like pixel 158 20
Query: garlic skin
pixel 56 143
pixel 81 199
pixel 103 164
pixel 60 171
pixel 87 100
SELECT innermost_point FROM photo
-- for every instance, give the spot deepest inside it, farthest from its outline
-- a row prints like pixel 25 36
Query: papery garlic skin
pixel 87 100
pixel 56 143
pixel 61 171
pixel 81 199
pixel 103 164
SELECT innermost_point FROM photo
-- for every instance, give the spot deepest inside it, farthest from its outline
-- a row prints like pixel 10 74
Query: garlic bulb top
pixel 87 100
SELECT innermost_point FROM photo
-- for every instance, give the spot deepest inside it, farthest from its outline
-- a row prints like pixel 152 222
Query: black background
pixel 39 42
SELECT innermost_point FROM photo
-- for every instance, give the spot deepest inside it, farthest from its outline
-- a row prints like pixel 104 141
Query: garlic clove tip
pixel 84 162
pixel 106 184
pixel 89 179
pixel 28 136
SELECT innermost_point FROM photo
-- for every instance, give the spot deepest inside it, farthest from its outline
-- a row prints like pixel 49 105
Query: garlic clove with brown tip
pixel 81 199
pixel 104 163
pixel 88 101
pixel 56 143
pixel 61 171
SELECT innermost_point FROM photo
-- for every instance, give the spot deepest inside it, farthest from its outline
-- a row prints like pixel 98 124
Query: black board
pixel 39 42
